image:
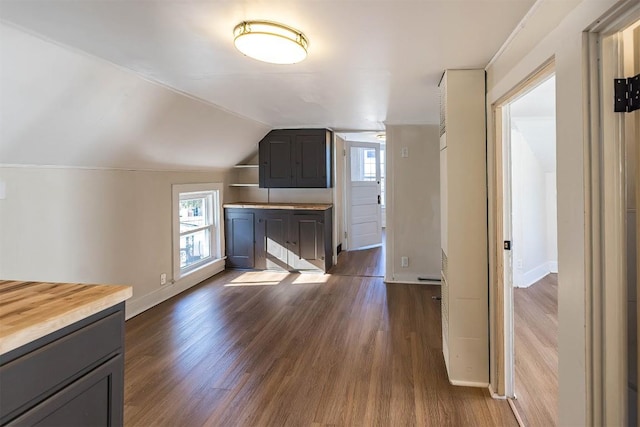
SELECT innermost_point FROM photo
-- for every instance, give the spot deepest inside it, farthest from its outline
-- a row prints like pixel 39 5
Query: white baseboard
pixel 143 303
pixel 412 279
pixel 552 266
pixel 468 383
pixel 532 276
pixel 495 395
pixel 414 282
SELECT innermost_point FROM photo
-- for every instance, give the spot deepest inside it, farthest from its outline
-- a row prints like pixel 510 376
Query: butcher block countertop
pixel 31 310
pixel 294 206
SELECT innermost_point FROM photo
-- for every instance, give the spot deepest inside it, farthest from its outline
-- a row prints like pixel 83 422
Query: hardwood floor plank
pixel 265 349
pixel 536 352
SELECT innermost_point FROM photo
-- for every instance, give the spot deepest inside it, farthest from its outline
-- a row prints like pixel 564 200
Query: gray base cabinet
pixel 286 240
pixel 72 377
pixel 240 241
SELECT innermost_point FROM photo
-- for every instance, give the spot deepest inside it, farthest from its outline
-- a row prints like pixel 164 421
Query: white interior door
pixel 364 203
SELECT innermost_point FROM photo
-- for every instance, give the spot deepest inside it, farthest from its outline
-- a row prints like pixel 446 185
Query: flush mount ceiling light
pixel 270 42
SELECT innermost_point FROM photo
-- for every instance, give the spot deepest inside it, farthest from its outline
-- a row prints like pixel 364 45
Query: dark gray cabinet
pixel 296 158
pixel 272 240
pixel 285 240
pixel 240 238
pixel 72 377
pixel 307 238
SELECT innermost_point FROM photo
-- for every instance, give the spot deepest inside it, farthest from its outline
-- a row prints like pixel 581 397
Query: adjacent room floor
pixel 274 349
pixel 536 349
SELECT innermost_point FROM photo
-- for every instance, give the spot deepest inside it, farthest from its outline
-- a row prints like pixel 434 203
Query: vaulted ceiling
pixel 369 62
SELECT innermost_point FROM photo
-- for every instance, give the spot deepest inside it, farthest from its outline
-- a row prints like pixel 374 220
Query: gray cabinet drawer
pixel 86 402
pixel 44 371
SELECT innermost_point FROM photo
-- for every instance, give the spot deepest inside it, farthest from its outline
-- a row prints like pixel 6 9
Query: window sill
pixel 204 271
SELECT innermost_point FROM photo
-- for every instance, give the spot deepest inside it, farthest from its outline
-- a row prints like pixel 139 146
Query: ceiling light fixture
pixel 270 42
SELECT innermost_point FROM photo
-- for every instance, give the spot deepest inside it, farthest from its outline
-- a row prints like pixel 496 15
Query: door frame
pixel 347 189
pixel 605 186
pixel 503 301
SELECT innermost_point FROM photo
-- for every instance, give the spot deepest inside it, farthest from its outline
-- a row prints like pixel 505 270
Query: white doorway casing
pixel 527 129
pixel 503 199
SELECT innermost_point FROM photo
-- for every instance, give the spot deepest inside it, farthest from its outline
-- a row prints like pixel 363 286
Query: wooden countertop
pixel 293 206
pixel 31 310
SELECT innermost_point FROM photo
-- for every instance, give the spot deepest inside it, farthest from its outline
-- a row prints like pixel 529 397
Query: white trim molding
pixel 135 306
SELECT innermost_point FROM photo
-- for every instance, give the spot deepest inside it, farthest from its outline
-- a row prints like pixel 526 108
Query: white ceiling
pixel 363 137
pixel 534 116
pixel 370 62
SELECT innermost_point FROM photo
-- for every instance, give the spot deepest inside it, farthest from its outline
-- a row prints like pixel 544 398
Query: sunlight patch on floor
pixel 311 279
pixel 258 278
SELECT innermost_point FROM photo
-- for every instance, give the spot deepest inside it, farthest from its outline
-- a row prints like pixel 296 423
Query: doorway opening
pixel 364 204
pixel 534 255
pixel 526 146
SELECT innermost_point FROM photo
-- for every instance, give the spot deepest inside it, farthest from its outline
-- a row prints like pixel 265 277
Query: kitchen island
pixel 61 353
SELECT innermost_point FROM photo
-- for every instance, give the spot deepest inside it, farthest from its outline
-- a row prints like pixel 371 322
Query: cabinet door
pixel 239 238
pixel 272 245
pixel 276 161
pixel 312 153
pixel 307 242
pixel 95 399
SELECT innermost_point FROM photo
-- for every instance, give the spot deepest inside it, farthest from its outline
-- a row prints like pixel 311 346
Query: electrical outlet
pixel 519 264
pixel 163 279
pixel 404 152
pixel 404 261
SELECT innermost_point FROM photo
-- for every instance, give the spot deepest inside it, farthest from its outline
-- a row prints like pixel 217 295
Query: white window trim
pixel 217 235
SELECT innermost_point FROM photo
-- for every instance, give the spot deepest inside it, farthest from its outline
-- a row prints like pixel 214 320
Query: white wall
pixel 65 107
pixel 534 213
pixel 92 226
pixel 413 202
pixel 532 47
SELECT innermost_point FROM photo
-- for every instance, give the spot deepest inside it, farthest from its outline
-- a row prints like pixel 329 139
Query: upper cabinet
pixel 296 158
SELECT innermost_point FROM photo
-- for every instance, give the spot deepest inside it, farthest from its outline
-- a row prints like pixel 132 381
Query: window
pixel 363 164
pixel 197 232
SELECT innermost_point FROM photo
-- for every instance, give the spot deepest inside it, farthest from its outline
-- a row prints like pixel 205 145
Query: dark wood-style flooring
pixel 366 263
pixel 276 349
pixel 536 352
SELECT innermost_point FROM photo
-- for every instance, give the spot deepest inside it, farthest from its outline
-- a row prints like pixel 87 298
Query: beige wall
pixel 413 202
pixel 67 108
pixel 565 44
pixel 92 226
pixel 96 213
